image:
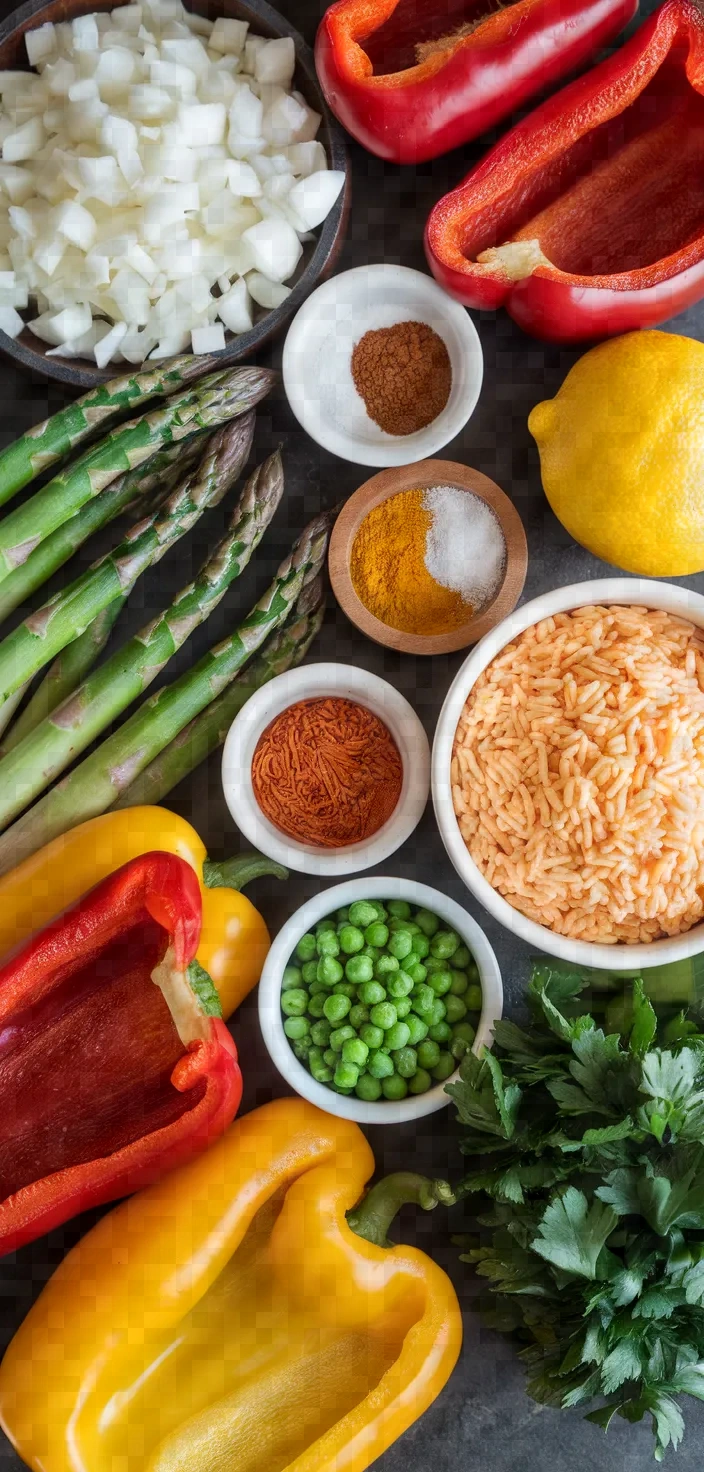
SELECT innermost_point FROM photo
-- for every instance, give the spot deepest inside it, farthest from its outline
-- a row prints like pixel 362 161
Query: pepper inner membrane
pixel 626 195
pixel 86 1070
pixel 248 1379
pixel 419 28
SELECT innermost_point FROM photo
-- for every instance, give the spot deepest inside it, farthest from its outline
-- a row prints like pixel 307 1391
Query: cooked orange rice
pixel 578 774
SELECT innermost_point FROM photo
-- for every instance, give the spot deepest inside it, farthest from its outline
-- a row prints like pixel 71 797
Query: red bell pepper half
pixel 411 79
pixel 114 1065
pixel 587 218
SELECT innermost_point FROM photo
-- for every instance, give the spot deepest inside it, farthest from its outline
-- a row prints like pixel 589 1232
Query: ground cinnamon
pixel 327 772
pixel 404 375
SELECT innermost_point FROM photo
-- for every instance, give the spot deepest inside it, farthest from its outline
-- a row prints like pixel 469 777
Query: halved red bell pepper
pixel 587 218
pixel 115 1065
pixel 411 79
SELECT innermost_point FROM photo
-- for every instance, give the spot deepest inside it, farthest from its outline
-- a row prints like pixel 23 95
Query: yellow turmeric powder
pixel 389 574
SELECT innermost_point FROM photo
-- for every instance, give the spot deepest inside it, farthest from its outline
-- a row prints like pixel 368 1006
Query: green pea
pixel 329 970
pixel 434 963
pixel 359 969
pixel 327 943
pixel 318 988
pixel 395 925
pixel 428 1054
pixel 444 1067
pixel 384 1015
pixel 296 1028
pixel 437 1013
pixel 403 1007
pixel 316 1005
pixel 351 940
pixel 362 913
pixel 336 1008
pixel 420 1083
pixel 377 933
pixel 371 992
pixel 300 1047
pixel 355 1051
pixel 417 1029
pixel 372 952
pixel 385 966
pixel 465 1031
pixel 428 922
pixel 320 1033
pixel 462 957
pixel 338 1090
pixel 295 1002
pixel 415 969
pixel 321 1072
pixel 379 909
pixel 441 982
pixel 343 915
pixel 394 1087
pixel 330 1058
pixel 323 925
pixel 306 948
pixel 460 982
pixel 405 1062
pixel 397 1036
pixel 473 999
pixel 292 977
pixel 380 1065
pixel 310 972
pixel 423 999
pixel 401 944
pixel 368 1088
pixel 345 989
pixel 440 1032
pixel 340 1036
pixel 399 985
pixel 455 1008
pixel 400 909
pixel 346 1075
pixel 421 945
pixel 359 1015
pixel 371 1035
pixel 444 944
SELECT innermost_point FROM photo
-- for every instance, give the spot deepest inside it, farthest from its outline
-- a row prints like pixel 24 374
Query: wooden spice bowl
pixel 425 474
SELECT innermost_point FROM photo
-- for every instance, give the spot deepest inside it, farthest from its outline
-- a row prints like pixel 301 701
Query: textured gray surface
pixel 483 1417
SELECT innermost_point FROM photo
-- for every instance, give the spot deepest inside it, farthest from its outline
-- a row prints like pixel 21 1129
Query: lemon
pixel 622 453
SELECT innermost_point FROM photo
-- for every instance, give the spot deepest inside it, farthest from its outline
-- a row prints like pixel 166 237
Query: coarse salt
pixel 465 548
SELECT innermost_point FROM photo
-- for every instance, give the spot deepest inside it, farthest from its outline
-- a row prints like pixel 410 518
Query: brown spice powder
pixel 404 375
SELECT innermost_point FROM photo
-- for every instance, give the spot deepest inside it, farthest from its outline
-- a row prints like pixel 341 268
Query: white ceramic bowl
pixel 667 596
pixel 385 1111
pixel 317 362
pixel 307 683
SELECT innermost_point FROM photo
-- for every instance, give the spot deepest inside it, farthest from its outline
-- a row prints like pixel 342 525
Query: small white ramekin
pixel 666 596
pixel 307 683
pixel 348 1106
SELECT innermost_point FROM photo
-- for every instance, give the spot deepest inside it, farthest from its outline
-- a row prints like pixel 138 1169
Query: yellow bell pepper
pixel 234 939
pixel 231 1317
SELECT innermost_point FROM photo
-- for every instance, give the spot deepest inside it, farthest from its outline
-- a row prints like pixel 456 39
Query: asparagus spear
pixel 100 779
pixel 287 648
pixel 48 442
pixel 161 473
pixel 9 706
pixel 48 630
pixel 65 674
pixel 48 749
pixel 209 403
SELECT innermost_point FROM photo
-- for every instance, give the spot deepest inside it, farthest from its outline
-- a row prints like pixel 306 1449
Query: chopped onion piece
pixel 275 62
pixel 106 349
pixel 209 339
pixel 313 198
pixel 228 35
pixel 234 308
pixel 265 293
pixel 10 321
pixel 86 36
pixel 203 123
pixel 40 44
pixel 72 322
pixel 24 142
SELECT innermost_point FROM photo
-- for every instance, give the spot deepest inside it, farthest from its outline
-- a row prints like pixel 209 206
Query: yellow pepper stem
pixel 236 872
pixel 373 1216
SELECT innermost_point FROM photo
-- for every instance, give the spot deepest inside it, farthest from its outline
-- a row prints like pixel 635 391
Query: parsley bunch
pixel 590 1147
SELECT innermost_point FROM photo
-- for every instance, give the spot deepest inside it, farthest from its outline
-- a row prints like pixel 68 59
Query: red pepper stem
pixel 240 870
pixel 373 1216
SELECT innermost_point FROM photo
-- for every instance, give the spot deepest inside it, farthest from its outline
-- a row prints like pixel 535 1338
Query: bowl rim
pixel 78 372
pixel 441 430
pixel 307 682
pixel 424 474
pixel 622 590
pixel 388 1111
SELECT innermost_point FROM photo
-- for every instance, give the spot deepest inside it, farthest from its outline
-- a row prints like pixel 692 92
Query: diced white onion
pixel 228 35
pixel 10 321
pixel 106 349
pixel 265 293
pixel 274 248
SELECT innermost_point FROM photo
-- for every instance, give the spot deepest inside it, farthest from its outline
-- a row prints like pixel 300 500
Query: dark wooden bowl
pixel 27 350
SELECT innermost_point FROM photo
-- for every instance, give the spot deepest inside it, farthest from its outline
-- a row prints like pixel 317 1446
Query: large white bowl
pixel 385 1111
pixel 666 596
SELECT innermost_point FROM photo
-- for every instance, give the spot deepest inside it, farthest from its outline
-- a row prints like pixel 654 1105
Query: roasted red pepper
pixel 411 79
pixel 587 219
pixel 114 1064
